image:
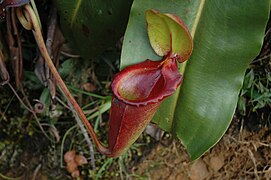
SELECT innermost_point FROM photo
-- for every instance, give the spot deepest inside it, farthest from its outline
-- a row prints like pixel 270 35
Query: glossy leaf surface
pixel 126 123
pixel 138 91
pixel 168 35
pixel 158 32
pixel 91 26
pixel 227 35
pixel 147 82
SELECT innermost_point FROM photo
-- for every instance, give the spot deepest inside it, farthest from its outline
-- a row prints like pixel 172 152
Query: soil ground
pixel 240 154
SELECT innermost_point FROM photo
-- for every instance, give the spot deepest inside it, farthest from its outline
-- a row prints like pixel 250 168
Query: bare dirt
pixel 240 154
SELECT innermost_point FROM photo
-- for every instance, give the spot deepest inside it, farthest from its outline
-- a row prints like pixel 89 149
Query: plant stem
pixel 31 17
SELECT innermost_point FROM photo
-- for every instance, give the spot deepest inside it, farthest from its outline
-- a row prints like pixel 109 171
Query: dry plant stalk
pixel 28 19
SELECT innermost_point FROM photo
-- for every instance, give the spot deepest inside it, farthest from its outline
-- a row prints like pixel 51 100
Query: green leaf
pixel 93 25
pixel 168 35
pixel 181 40
pixel 227 35
pixel 159 33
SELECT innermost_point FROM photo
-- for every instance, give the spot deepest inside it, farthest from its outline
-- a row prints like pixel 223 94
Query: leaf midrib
pixel 194 28
pixel 193 32
pixel 75 12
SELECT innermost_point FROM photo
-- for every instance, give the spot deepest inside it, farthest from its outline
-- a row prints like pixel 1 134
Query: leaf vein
pixel 193 31
pixel 75 12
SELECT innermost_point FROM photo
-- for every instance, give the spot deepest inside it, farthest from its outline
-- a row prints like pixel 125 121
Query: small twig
pixel 14 44
pixel 86 137
pixel 18 59
pixel 175 149
pixel 51 31
pixel 37 169
pixel 70 55
pixel 254 162
pixel 3 116
pixel 62 103
pixel 3 153
pixel 53 131
pixel 241 130
pixel 260 59
pixel 95 109
pixel 248 142
pixel 53 44
pixel 120 168
pixel 9 178
pixel 62 145
pixel 33 112
pixel 19 98
pixel 3 70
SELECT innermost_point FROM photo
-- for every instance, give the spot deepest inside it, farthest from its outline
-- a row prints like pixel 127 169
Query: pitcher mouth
pixel 147 82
